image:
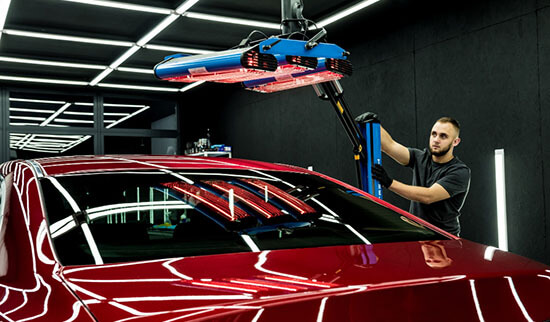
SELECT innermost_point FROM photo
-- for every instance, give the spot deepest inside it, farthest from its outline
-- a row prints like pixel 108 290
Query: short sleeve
pixel 456 180
pixel 414 156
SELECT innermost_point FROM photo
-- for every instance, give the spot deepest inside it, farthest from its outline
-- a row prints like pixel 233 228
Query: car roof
pixel 107 163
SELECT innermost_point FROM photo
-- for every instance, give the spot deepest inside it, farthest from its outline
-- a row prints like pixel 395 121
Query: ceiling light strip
pixel 185 6
pixel 4 7
pixel 101 76
pixel 178 49
pixel 88 40
pixel 124 57
pixel 190 86
pixel 346 12
pixel 231 20
pixel 137 87
pixel 42 80
pixel 49 63
pixel 157 29
pixel 122 5
pixel 135 70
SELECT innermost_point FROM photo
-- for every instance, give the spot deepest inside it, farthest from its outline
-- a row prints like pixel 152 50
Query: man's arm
pixel 421 194
pixel 395 150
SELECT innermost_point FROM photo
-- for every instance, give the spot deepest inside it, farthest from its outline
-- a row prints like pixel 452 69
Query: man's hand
pixel 380 174
pixel 367 117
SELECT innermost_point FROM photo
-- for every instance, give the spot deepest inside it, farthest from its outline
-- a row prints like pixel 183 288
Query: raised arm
pixel 395 150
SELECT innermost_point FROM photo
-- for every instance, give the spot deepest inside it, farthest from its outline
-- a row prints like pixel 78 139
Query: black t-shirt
pixel 453 176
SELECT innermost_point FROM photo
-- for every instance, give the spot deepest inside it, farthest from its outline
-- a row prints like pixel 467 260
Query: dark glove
pixel 380 174
pixel 367 117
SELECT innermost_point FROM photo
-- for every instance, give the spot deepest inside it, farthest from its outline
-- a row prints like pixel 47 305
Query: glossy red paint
pixel 447 280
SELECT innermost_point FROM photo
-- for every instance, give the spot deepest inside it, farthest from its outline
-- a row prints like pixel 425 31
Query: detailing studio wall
pixel 486 63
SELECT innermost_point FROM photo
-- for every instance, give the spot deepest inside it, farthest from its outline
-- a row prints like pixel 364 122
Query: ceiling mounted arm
pixel 292 19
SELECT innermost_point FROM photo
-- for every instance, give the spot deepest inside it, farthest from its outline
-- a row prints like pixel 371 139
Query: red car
pixel 157 238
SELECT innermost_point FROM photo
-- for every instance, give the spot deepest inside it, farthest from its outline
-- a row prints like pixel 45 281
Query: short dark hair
pixel 455 123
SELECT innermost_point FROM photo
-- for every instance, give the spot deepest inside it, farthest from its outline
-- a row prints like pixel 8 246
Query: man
pixel 440 180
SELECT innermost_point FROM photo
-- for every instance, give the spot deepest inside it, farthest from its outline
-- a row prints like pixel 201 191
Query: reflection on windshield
pixel 118 217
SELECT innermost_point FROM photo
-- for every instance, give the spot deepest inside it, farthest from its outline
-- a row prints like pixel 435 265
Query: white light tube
pixel 74 121
pixel 35 101
pixel 30 110
pixel 4 7
pixel 155 31
pixel 237 21
pixel 185 6
pixel 56 114
pixel 346 12
pixel 76 143
pixel 501 199
pixel 79 113
pixel 41 80
pixel 101 76
pixel 124 57
pixel 135 70
pixel 190 86
pixel 68 38
pixel 49 63
pixel 27 118
pixel 145 88
pixel 122 5
pixel 178 49
pixel 127 117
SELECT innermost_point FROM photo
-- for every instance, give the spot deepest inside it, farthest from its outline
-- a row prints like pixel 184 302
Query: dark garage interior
pixel 485 63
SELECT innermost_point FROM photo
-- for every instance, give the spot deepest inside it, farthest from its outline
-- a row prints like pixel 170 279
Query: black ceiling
pixel 67 18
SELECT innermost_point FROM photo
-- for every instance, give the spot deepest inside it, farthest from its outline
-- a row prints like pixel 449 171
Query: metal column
pixel 4 125
pixel 99 137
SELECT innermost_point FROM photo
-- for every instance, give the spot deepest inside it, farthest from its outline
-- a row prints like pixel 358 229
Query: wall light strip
pixel 42 80
pixel 501 199
pixel 49 63
pixel 30 110
pixel 236 21
pixel 346 12
pixel 178 49
pixel 126 6
pixel 127 117
pixel 88 40
pixel 28 100
pixel 56 114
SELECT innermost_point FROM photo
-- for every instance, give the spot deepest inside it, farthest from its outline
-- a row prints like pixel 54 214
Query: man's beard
pixel 441 152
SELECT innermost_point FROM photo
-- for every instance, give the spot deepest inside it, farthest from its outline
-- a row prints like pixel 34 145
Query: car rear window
pixel 130 216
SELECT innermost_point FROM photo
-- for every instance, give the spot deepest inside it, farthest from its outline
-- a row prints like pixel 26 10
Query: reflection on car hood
pixel 424 281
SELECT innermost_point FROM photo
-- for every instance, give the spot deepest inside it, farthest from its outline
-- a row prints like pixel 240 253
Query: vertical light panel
pixel 501 199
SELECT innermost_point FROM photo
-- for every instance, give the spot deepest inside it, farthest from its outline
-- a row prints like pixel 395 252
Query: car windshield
pixel 114 217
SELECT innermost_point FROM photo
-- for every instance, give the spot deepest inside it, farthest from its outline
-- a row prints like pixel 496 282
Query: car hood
pixel 433 280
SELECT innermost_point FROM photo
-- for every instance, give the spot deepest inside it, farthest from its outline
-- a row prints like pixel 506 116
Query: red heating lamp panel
pixel 253 201
pixel 263 187
pixel 197 196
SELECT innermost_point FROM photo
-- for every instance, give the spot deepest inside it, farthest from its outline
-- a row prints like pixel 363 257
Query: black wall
pixel 486 63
